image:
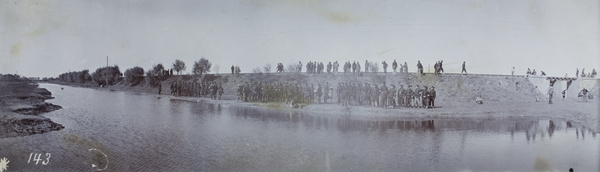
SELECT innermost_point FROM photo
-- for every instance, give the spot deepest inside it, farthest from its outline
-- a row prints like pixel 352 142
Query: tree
pixel 202 66
pixel 156 74
pixel 267 68
pixel 134 75
pixel 108 75
pixel 178 66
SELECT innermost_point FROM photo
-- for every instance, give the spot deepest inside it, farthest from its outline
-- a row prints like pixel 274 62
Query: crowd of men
pixel 348 94
pixel 195 89
pixel 284 92
pixel 365 94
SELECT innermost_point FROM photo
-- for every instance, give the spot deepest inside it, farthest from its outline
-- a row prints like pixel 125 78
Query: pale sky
pixel 46 38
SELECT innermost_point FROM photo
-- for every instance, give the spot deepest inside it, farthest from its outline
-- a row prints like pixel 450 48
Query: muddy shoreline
pixel 21 105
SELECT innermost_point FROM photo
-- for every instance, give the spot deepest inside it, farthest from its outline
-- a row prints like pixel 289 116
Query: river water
pixel 123 131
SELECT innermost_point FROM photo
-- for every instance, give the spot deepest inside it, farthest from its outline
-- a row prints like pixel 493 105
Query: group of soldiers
pixel 195 89
pixel 359 94
pixel 284 92
pixel 348 94
pixel 583 74
pixel 317 68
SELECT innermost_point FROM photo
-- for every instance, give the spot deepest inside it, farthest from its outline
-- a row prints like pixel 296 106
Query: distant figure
pixel 394 66
pixel 550 94
pixel 479 100
pixel 464 68
pixel 232 69
pixel 405 67
pixel 513 71
pixel 159 88
pixel 385 65
pixel 533 73
pixel 564 93
pixel 419 67
pixel 577 73
pixel 528 71
pixel 543 73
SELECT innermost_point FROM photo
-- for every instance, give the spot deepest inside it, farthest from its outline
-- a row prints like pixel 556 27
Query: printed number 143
pixel 37 157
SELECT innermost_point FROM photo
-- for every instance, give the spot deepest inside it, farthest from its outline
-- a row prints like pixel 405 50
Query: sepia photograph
pixel 300 85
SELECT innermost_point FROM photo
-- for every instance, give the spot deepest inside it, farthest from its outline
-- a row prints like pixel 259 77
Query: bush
pixel 134 75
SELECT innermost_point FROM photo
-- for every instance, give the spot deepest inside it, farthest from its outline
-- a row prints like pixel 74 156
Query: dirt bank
pixel 21 103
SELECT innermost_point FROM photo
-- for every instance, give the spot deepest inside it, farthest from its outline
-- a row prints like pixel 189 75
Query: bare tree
pixel 267 68
pixel 257 70
pixel 291 68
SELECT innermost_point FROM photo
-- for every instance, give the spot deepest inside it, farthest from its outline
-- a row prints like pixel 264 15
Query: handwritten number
pixel 47 159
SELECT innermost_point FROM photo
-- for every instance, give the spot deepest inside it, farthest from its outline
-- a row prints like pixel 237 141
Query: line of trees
pixel 75 77
pixel 111 75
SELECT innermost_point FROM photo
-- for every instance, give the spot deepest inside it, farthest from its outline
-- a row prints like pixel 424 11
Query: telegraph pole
pixel 106 60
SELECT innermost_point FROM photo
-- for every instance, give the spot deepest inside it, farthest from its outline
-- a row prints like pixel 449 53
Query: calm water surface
pixel 140 132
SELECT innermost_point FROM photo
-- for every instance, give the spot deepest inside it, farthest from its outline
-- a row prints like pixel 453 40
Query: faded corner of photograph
pixel 299 85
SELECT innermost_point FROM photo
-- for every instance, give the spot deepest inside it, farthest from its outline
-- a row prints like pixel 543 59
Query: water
pixel 140 132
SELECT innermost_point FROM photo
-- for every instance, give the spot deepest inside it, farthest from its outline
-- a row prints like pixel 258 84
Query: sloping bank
pixel 21 104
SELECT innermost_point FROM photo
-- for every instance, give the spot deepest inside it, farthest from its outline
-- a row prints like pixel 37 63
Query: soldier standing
pixel 550 94
pixel 329 68
pixel 464 68
pixel 159 88
pixel 366 66
pixel 405 67
pixel 385 65
pixel 401 93
pixel 336 65
pixel 425 97
pixel 419 67
pixel 375 95
pixel 417 96
pixel 232 69
pixel 394 66
pixel 408 96
pixel 383 96
pixel 432 95
pixel 391 96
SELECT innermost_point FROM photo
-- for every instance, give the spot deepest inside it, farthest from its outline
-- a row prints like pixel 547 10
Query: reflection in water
pixel 346 123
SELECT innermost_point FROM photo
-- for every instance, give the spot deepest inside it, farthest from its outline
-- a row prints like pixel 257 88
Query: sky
pixel 47 38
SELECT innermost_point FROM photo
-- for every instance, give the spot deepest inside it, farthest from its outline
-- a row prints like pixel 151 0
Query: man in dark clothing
pixel 419 67
pixel 401 93
pixel 159 88
pixel 232 69
pixel 464 68
pixel 394 66
pixel 384 67
pixel 432 95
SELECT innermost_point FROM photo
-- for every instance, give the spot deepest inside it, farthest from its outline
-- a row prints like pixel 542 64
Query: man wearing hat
pixel 401 93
